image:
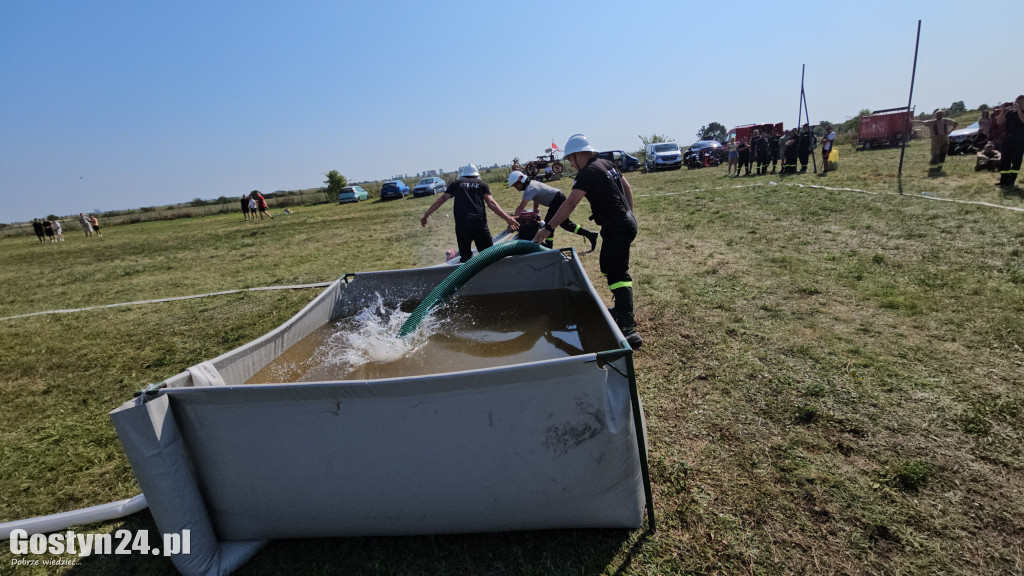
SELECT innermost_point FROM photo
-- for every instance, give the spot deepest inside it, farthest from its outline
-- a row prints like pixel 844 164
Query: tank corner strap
pixel 146 393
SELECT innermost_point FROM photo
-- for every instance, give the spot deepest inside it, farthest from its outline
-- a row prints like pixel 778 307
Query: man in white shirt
pixel 826 148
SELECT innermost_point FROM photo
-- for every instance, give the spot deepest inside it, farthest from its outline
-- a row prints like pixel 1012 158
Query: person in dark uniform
pixel 761 153
pixel 245 206
pixel 37 227
pixel 1011 120
pixel 774 148
pixel 803 146
pixel 744 150
pixel 549 196
pixel 789 152
pixel 471 196
pixel 611 201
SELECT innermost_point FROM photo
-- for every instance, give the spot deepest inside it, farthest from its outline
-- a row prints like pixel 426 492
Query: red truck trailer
pixel 886 127
pixel 742 133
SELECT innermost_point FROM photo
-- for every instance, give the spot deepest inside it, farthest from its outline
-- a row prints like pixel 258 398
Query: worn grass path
pixel 832 380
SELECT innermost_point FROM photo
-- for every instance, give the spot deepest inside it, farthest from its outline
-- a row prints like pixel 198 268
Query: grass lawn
pixel 833 378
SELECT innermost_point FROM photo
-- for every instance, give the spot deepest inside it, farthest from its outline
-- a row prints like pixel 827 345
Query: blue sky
pixel 121 104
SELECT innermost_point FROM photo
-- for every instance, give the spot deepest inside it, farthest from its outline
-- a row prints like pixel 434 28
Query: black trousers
pixel 568 225
pixel 805 156
pixel 614 261
pixel 472 232
pixel 1012 152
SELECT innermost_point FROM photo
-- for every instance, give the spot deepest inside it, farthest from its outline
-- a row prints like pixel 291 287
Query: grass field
pixel 833 379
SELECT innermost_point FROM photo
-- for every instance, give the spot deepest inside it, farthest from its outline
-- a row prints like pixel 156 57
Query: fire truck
pixel 742 133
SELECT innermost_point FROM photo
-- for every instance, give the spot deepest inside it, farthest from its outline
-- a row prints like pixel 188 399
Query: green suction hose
pixel 462 275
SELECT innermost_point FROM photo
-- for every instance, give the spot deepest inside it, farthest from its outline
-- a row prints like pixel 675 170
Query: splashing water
pixel 370 337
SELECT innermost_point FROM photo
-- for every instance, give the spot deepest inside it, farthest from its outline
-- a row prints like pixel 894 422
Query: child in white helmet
pixel 543 195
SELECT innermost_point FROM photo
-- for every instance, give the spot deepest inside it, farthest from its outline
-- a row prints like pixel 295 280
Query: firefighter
pixel 761 152
pixel 789 155
pixel 804 144
pixel 471 196
pixel 744 150
pixel 549 196
pixel 939 128
pixel 1011 120
pixel 775 148
pixel 611 201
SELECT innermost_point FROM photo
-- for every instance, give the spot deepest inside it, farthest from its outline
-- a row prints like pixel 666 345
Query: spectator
pixel 37 227
pixel 804 143
pixel 95 225
pixel 744 150
pixel 775 146
pixel 86 226
pixel 734 158
pixel 988 159
pixel 996 134
pixel 471 195
pixel 826 148
pixel 939 129
pixel 1011 120
pixel 789 151
pixel 984 127
pixel 48 229
pixel 245 206
pixel 762 154
pixel 261 204
pixel 58 230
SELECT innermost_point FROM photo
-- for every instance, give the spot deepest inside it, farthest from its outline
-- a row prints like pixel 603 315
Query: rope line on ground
pixel 171 299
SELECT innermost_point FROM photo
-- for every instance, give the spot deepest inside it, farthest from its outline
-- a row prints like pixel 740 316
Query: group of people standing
pixel 53 231
pixel 254 205
pixel 768 147
pixel 47 229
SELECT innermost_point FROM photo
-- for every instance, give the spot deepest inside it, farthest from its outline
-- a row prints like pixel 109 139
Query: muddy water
pixel 467 333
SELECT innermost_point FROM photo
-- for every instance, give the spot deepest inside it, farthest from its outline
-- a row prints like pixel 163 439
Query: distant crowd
pixel 53 230
pixel 253 205
pixel 789 147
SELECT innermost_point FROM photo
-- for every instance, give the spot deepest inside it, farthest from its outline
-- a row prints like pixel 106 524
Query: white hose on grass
pixel 62 520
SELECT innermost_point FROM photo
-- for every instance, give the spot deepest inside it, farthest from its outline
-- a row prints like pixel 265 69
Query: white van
pixel 663 156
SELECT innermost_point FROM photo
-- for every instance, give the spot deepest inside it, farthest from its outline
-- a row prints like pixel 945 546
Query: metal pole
pixel 800 104
pixel 810 129
pixel 910 101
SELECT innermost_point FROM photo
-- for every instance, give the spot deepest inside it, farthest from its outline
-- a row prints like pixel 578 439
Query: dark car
pixel 713 147
pixel 394 189
pixel 624 161
pixel 429 187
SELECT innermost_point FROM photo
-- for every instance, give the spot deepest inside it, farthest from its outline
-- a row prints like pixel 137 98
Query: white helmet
pixel 577 143
pixel 515 176
pixel 469 170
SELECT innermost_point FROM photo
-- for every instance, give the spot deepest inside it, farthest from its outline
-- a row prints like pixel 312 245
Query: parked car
pixel 352 194
pixel 713 148
pixel 624 161
pixel 966 140
pixel 394 189
pixel 429 187
pixel 663 156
